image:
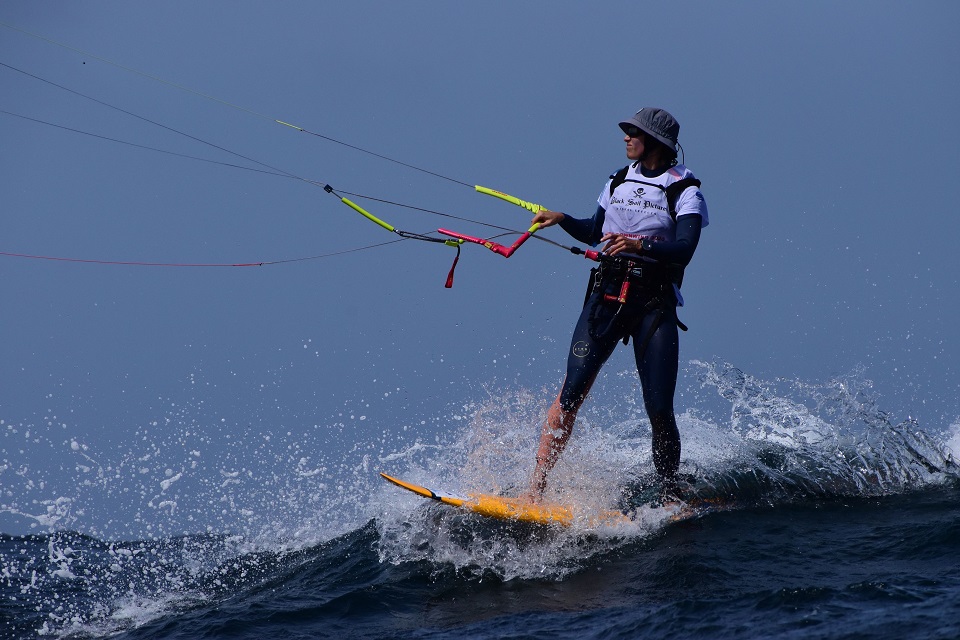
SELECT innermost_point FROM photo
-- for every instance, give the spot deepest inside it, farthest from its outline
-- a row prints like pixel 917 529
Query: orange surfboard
pixel 513 508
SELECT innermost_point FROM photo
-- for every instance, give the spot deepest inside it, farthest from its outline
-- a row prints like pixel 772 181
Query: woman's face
pixel 635 142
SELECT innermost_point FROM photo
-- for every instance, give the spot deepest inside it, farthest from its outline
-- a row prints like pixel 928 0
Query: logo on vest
pixel 637 201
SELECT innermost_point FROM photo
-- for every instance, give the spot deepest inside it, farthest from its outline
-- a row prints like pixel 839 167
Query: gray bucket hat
pixel 656 122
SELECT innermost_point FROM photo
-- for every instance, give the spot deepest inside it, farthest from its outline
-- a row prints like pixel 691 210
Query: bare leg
pixel 587 354
pixel 553 439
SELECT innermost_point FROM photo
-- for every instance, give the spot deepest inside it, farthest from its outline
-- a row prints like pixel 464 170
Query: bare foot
pixel 532 496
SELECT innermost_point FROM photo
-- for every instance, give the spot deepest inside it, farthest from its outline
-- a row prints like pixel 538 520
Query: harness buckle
pixel 624 284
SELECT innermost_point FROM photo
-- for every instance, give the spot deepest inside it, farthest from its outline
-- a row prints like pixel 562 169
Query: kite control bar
pixel 496 247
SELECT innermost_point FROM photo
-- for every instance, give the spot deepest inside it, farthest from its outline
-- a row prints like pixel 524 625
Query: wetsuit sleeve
pixel 681 250
pixel 586 230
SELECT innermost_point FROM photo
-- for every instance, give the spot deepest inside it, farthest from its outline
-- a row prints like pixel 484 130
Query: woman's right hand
pixel 546 218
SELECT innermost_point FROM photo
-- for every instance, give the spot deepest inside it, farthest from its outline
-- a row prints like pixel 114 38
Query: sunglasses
pixel 633 132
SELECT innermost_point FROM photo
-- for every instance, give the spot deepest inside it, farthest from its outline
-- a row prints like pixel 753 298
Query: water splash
pixel 780 442
pixel 269 498
pixel 817 441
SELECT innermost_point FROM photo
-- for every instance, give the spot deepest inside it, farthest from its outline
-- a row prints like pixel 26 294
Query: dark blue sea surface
pixel 812 516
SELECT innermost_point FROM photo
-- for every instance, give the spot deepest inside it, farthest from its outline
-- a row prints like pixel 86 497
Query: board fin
pixel 423 491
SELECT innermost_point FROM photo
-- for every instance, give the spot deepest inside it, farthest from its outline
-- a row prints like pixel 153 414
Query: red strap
pixel 449 284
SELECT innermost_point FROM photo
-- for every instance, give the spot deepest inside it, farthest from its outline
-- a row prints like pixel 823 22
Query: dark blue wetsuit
pixel 648 318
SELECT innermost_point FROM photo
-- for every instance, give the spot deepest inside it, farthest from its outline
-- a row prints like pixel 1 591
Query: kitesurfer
pixel 649 214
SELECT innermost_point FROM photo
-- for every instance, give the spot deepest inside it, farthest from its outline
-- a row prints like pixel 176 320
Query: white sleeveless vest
pixel 639 209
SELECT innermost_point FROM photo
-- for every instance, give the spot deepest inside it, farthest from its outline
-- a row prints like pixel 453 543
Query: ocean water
pixel 817 517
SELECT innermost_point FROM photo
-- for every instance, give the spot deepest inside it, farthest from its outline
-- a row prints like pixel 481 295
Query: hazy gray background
pixel 826 136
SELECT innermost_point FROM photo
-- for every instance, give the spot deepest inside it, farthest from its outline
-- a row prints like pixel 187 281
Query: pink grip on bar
pixel 506 252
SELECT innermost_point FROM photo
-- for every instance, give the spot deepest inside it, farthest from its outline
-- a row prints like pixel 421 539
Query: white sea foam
pixel 757 441
pixel 953 440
